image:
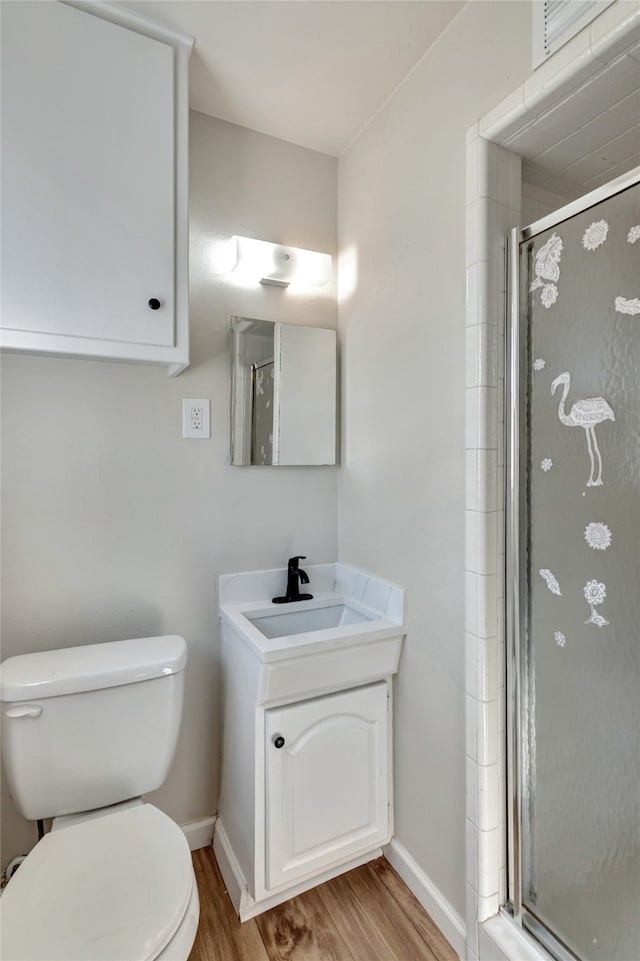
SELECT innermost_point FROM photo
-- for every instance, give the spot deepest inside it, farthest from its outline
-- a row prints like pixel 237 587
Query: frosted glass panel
pixel 580 324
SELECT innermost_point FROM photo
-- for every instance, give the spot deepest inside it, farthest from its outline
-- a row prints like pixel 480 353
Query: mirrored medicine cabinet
pixel 283 394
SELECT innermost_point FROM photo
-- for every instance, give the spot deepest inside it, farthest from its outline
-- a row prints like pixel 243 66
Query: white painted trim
pixel 134 21
pixel 431 899
pixel 236 885
pixel 230 870
pixel 199 834
pixel 511 940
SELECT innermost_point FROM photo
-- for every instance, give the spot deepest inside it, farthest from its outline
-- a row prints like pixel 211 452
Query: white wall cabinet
pixel 327 772
pixel 94 184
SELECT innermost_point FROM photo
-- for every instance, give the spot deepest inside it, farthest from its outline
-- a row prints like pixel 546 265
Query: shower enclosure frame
pixel 515 522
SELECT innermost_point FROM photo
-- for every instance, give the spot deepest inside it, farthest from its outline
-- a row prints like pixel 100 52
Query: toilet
pixel 86 731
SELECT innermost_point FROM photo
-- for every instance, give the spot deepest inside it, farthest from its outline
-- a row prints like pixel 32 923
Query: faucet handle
pixel 293 561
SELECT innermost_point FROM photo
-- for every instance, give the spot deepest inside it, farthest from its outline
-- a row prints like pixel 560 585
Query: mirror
pixel 283 393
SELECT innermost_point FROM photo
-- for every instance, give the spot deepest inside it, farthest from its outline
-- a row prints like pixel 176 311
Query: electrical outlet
pixel 195 418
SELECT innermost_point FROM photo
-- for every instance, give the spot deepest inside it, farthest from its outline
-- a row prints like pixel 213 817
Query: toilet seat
pixel 115 888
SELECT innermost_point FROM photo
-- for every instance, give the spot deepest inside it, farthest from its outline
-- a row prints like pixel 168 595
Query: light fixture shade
pixel 258 260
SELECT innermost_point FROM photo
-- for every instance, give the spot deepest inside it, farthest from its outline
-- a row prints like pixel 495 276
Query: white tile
pixel 509 176
pixel 471 854
pixel 489 801
pixel 486 543
pixel 481 356
pixel 470 541
pixel 376 594
pixel 500 578
pixel 359 586
pixel 486 169
pixel 544 131
pixel 470 602
pixel 346 578
pixel 487 732
pixel 472 171
pixel 471 790
pixel 471 910
pixel 395 604
pixel 500 472
pixel 481 418
pixel 486 480
pixel 487 907
pixel 591 135
pixel 480 217
pixel 505 118
pixel 472 131
pixel 471 726
pixel 471 664
pixel 486 598
pixel 471 479
pixel 612 172
pixel 482 287
pixel 560 74
pixel 612 83
pixel 487 669
pixel 488 862
pixel 614 29
pixel 501 668
pixel 488 950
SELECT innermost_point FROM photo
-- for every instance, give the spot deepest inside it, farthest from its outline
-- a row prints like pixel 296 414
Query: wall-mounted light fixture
pixel 258 260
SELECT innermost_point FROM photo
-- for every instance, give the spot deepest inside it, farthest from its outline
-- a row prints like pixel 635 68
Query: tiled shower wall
pixel 493 207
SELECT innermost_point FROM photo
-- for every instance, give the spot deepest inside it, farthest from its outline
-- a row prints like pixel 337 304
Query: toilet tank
pixel 85 727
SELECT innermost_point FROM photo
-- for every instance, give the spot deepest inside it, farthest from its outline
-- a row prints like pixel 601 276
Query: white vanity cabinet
pixel 326 781
pixel 306 786
pixel 94 184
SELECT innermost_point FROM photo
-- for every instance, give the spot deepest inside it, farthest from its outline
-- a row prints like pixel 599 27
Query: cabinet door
pixel 88 188
pixel 327 786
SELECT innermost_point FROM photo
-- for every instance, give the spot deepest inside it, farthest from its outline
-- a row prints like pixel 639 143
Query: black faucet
pixel 295 577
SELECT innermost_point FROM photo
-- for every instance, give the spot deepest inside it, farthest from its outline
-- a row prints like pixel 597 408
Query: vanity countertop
pixel 373 627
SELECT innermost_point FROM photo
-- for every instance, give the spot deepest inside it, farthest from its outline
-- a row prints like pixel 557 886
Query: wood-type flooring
pixel 368 914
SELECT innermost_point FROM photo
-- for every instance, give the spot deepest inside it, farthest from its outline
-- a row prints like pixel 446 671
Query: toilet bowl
pixel 86 732
pixel 113 887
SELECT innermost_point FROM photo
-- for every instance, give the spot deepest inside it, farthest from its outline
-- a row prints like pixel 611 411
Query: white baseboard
pixel 232 876
pixel 431 899
pixel 245 906
pixel 199 834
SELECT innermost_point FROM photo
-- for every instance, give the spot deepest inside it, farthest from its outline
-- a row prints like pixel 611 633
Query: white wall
pixel 402 323
pixel 113 526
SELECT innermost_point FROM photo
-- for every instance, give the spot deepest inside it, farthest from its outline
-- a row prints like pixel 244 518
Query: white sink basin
pixel 285 623
pixel 343 637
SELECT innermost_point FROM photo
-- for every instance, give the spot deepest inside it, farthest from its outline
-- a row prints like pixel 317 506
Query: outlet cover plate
pixel 196 418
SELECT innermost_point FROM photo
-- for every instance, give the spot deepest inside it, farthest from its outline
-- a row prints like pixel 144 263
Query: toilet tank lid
pixel 91 667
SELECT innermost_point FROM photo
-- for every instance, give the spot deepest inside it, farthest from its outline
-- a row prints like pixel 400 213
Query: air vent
pixel 555 22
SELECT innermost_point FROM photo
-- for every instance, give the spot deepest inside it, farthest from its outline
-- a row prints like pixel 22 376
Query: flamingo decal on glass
pixel 586 414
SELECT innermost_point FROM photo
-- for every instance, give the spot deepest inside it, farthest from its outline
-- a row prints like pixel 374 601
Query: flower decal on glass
pixel 551 581
pixel 560 639
pixel 634 234
pixel 539 364
pixel 595 235
pixel 594 594
pixel 547 268
pixel 598 536
pixel 546 464
pixel 624 306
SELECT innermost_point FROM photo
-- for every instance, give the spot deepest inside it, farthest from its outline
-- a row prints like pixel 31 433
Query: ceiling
pixel 313 72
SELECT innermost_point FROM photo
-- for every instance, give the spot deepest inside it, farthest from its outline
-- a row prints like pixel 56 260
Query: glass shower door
pixel 575 579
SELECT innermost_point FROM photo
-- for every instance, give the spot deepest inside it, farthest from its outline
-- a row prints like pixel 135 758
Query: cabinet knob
pixel 155 304
pixel 278 741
